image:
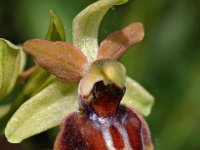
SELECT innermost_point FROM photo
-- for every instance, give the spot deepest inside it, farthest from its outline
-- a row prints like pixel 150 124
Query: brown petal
pixel 116 44
pixel 60 58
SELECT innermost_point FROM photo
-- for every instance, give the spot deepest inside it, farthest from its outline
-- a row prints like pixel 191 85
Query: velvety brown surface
pixel 80 132
pixel 60 58
pixel 103 124
pixel 116 44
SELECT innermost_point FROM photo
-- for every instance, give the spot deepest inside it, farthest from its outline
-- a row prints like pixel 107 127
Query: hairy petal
pixel 60 58
pixel 86 26
pixel 116 44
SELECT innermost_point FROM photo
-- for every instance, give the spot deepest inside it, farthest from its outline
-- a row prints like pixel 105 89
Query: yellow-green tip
pixel 107 70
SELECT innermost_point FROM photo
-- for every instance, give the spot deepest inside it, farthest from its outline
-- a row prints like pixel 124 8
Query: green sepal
pixel 12 61
pixel 86 25
pixel 31 87
pixel 48 81
pixel 40 78
pixel 43 111
pixel 137 97
pixel 56 30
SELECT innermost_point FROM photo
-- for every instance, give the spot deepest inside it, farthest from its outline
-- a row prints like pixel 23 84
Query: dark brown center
pixel 106 99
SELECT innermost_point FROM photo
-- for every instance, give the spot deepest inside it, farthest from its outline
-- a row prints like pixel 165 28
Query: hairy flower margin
pixel 55 99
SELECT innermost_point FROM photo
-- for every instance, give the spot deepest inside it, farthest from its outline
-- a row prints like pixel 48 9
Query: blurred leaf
pixel 43 111
pixel 117 43
pixel 137 97
pixel 12 61
pixel 56 30
pixel 4 109
pixel 86 25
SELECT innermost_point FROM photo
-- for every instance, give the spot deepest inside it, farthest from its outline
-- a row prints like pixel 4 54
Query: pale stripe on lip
pixel 108 138
pixel 103 124
pixel 123 132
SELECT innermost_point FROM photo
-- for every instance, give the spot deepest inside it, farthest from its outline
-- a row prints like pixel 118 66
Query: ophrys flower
pixel 103 83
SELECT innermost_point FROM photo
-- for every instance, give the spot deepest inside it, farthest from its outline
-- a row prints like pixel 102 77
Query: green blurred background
pixel 166 63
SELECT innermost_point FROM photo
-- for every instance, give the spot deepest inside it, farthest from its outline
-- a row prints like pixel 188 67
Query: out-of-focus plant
pixel 45 100
pixel 37 78
pixel 12 61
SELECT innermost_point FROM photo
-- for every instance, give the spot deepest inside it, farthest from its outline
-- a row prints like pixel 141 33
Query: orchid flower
pixel 89 86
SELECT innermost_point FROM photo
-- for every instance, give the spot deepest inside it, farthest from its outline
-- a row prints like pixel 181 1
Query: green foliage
pixel 56 30
pixel 36 82
pixel 4 109
pixel 43 111
pixel 11 64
